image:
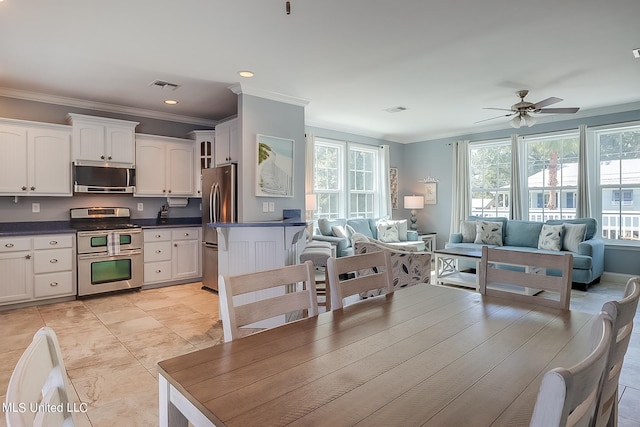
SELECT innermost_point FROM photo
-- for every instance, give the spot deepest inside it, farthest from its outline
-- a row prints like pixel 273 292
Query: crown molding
pixel 111 108
pixel 274 96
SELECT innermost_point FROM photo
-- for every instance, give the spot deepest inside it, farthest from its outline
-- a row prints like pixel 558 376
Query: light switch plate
pixel 272 206
pixel 35 207
pixel 140 206
pixel 265 206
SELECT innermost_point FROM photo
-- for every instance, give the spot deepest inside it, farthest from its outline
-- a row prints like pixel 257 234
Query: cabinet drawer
pixel 157 272
pixel 157 251
pixel 13 244
pixel 53 241
pixel 185 233
pixel 52 284
pixel 52 260
pixel 157 235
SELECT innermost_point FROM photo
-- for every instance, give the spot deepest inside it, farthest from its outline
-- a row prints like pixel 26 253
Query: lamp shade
pixel 310 202
pixel 413 202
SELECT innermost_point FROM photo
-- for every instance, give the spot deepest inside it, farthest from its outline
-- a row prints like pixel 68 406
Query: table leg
pixel 169 414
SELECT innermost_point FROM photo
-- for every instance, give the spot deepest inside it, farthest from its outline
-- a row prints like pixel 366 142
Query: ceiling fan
pixel 522 110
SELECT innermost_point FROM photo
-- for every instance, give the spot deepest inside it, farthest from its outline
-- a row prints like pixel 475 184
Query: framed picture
pixel 430 193
pixel 274 167
pixel 393 183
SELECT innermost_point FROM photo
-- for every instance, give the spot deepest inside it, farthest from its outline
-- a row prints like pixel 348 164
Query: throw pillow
pixel 358 237
pixel 468 230
pixel 551 237
pixel 573 235
pixel 401 225
pixel 339 231
pixel 489 233
pixel 351 231
pixel 387 232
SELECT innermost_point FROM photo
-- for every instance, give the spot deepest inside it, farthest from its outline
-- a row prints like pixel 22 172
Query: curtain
pixel 460 189
pixel 583 210
pixel 515 204
pixel 385 182
pixel 308 164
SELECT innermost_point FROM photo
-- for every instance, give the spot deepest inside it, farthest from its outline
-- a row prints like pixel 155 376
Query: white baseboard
pixel 616 277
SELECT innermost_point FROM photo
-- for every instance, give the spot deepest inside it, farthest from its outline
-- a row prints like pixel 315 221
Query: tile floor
pixel 111 345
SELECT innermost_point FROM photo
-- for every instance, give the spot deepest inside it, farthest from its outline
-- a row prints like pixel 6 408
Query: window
pixel 619 181
pixel 552 176
pixel 490 173
pixel 346 180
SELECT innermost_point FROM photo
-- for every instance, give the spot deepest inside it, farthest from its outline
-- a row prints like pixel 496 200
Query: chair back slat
pixel 38 381
pixel 357 274
pixel 569 396
pixel 298 295
pixel 622 314
pixel 496 273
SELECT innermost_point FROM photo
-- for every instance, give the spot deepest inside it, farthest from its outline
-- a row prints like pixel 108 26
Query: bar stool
pixel 318 253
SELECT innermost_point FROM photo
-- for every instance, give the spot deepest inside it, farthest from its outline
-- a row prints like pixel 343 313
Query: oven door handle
pixel 105 232
pixel 123 254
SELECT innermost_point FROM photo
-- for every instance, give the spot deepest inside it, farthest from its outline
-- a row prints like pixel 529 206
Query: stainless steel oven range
pixel 109 250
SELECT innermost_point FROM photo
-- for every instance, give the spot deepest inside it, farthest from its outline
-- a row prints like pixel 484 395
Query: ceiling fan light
pixel 516 122
pixel 528 120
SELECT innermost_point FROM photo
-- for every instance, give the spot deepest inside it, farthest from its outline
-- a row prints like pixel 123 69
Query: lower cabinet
pixel 172 255
pixel 37 268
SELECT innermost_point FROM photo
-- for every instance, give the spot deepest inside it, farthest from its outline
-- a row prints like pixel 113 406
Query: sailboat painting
pixel 274 173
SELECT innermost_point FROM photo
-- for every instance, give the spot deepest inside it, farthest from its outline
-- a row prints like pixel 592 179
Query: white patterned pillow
pixel 387 232
pixel 339 231
pixel 489 233
pixel 551 237
pixel 468 230
pixel 573 235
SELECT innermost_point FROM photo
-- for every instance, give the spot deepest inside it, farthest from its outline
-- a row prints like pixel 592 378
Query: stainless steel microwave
pixel 100 179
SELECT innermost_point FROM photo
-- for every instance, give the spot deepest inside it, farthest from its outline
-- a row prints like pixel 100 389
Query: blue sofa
pixel 367 227
pixel 588 260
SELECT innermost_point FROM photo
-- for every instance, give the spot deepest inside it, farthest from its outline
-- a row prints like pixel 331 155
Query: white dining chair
pixel 496 276
pixel 622 313
pixel 569 396
pixel 357 274
pixel 300 298
pixel 39 382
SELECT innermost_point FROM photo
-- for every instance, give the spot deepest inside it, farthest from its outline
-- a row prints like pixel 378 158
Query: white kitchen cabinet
pixel 227 146
pixel 35 160
pixel 172 255
pixel 37 268
pixel 165 166
pixel 101 140
pixel 205 154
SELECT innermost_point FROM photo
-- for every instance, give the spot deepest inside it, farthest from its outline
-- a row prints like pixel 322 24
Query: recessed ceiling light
pixel 170 101
pixel 246 74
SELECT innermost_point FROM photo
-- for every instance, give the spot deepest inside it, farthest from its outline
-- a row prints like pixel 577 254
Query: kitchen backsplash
pixel 57 208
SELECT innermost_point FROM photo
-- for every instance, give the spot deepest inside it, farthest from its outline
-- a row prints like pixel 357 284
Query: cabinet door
pixel 88 142
pixel 13 160
pixel 49 162
pixel 180 174
pixel 150 170
pixel 222 141
pixel 17 277
pixel 185 259
pixel 119 144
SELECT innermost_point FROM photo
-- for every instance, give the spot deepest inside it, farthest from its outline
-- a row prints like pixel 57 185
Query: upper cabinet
pixel 98 140
pixel 205 154
pixel 165 166
pixel 227 147
pixel 35 159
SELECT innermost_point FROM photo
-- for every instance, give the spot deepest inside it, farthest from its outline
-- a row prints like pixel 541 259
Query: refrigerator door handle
pixel 212 203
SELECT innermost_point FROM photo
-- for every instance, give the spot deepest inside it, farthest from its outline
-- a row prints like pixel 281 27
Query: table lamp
pixel 414 202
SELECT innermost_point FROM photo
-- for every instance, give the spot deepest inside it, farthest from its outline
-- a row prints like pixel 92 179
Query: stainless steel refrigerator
pixel 219 204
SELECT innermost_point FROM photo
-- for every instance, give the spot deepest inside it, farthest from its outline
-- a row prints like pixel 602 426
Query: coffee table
pixel 448 271
pixel 447 267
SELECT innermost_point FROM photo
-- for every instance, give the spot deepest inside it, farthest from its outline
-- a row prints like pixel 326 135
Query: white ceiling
pixel 351 59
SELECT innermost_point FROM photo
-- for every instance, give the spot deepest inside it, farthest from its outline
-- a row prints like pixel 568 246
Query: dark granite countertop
pixel 277 223
pixel 57 227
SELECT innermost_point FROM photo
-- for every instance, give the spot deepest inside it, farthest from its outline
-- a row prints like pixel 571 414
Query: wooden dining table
pixel 424 355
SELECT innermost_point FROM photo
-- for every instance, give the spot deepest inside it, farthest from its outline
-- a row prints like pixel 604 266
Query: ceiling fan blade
pixel 568 110
pixel 545 102
pixel 499 109
pixel 497 117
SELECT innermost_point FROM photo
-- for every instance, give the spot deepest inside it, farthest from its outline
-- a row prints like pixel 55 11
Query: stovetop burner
pixel 92 219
